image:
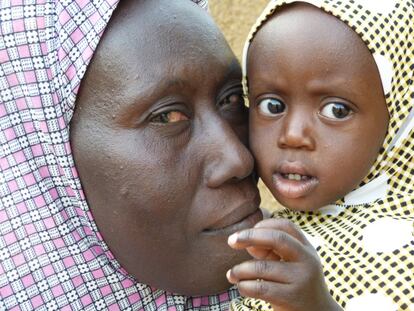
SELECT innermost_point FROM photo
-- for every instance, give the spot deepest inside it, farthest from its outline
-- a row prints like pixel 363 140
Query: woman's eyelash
pixel 171 116
pixel 235 92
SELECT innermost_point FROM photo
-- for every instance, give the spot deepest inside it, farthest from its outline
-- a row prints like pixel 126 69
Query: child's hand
pixel 286 270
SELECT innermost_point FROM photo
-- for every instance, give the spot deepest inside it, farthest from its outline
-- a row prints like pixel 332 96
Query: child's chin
pixel 300 204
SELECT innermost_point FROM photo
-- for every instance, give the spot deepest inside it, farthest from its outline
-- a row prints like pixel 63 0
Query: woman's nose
pixel 228 158
pixel 296 132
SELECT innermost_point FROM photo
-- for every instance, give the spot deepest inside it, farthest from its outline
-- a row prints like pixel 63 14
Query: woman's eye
pixel 231 106
pixel 234 99
pixel 271 107
pixel 336 111
pixel 169 117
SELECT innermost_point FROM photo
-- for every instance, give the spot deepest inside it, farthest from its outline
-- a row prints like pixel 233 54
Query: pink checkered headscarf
pixel 52 256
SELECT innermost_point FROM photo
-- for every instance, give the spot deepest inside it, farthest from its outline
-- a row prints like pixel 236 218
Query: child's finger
pixel 273 271
pixel 280 242
pixel 285 225
pixel 262 253
pixel 276 294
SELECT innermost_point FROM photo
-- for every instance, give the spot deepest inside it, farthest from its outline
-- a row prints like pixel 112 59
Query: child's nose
pixel 297 132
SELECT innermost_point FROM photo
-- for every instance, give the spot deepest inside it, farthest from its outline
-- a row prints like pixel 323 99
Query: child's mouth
pixel 294 185
pixel 296 177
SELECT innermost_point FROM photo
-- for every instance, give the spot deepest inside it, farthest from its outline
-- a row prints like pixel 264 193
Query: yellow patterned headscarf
pixel 366 240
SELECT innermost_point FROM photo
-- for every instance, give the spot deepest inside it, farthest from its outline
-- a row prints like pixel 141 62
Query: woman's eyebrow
pixel 232 69
pixel 172 83
pixel 157 87
pixel 146 97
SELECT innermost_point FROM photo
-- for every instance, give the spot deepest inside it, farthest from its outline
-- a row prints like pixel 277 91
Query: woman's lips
pixel 247 222
pixel 294 185
pixel 236 221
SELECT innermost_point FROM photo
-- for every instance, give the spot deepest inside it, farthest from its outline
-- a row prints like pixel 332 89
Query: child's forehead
pixel 303 28
pixel 303 21
pixel 300 27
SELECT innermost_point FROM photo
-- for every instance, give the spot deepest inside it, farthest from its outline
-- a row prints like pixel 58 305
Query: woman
pixel 156 137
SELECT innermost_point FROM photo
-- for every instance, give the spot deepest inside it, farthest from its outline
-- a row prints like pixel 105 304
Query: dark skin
pixel 159 138
pixel 318 114
pixel 317 108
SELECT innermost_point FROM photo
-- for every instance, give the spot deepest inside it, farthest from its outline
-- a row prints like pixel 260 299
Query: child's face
pixel 158 141
pixel 318 115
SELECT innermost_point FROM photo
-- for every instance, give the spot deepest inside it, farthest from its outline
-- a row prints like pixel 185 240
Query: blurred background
pixel 235 18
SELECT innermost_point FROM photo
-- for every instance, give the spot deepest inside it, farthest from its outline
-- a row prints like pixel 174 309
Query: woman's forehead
pixel 144 33
pixel 152 21
pixel 140 59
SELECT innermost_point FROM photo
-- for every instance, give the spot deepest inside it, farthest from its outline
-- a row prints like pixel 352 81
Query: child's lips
pixel 294 186
pixel 292 180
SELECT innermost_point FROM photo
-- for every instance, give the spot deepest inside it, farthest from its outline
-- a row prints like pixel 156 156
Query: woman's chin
pixel 211 278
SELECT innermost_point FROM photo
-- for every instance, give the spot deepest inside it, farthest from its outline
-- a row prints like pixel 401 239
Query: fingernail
pixel 228 274
pixel 232 239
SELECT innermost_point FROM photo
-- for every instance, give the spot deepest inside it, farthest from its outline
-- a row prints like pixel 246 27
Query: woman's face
pixel 158 138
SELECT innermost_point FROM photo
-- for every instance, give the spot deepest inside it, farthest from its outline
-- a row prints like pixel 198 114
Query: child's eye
pixel 271 107
pixel 169 117
pixel 336 111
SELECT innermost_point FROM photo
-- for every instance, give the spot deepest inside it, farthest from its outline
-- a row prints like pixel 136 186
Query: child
pixel 118 204
pixel 318 118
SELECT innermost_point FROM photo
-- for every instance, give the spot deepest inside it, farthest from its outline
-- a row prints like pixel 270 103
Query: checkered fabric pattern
pixel 52 256
pixel 367 245
pixel 202 3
